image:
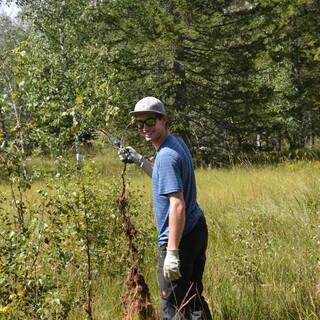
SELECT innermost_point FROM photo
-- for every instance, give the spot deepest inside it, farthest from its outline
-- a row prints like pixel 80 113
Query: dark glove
pixel 130 155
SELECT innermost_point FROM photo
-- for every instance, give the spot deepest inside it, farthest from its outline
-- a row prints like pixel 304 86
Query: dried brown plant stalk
pixel 136 299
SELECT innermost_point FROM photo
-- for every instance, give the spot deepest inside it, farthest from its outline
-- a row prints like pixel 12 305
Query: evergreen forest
pixel 238 78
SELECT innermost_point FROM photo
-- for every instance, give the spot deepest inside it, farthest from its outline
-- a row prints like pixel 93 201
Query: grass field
pixel 263 257
pixel 264 238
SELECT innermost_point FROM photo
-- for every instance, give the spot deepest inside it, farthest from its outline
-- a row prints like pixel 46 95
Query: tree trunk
pixel 3 131
pixel 181 95
pixel 279 144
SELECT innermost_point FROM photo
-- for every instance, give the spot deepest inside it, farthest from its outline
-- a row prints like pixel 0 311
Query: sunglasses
pixel 150 122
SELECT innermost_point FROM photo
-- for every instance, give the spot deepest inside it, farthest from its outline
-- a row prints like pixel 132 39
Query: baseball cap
pixel 148 104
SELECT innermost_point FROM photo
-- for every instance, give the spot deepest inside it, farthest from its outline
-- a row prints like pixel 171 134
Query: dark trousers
pixel 182 299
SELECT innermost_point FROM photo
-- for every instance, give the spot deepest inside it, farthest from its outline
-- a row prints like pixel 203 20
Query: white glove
pixel 130 155
pixel 171 266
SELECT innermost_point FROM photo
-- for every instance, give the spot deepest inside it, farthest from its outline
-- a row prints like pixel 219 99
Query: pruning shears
pixel 115 141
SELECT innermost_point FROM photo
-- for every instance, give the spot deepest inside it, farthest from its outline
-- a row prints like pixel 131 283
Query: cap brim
pixel 134 113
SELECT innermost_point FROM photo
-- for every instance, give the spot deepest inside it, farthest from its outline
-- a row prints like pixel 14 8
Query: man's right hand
pixel 171 265
pixel 130 155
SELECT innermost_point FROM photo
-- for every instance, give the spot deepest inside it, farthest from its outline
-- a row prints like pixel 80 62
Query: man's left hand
pixel 171 266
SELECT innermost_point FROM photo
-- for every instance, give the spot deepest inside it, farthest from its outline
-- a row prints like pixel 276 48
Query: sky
pixel 11 10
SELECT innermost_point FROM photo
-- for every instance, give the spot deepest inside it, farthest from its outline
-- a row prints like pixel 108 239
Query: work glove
pixel 130 155
pixel 171 265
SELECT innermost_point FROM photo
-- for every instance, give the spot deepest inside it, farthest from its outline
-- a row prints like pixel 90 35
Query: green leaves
pixel 68 219
pixel 223 69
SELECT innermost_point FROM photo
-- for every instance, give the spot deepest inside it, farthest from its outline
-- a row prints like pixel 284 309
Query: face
pixel 152 127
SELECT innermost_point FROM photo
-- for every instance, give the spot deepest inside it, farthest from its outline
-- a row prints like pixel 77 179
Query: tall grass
pixel 264 241
pixel 264 238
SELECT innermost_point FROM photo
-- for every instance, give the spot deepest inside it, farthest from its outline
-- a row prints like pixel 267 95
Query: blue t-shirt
pixel 173 172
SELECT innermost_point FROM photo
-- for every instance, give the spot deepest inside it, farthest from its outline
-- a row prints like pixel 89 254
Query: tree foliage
pixel 236 76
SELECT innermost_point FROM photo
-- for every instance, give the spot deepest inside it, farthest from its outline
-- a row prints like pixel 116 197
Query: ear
pixel 165 119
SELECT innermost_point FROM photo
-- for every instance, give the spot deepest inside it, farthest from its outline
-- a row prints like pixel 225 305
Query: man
pixel 182 229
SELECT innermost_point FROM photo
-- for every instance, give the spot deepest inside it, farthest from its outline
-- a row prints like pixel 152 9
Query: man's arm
pixel 147 166
pixel 177 217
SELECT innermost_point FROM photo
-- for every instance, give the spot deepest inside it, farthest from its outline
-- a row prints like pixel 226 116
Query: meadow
pixel 264 238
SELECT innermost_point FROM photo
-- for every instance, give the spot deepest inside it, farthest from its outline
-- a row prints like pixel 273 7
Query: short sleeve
pixel 169 175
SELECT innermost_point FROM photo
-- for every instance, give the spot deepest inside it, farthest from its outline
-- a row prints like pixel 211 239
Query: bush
pixel 72 232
